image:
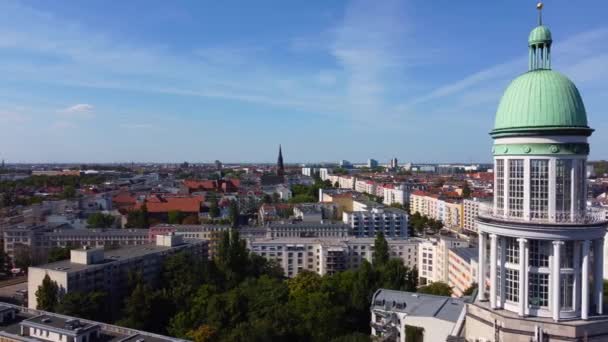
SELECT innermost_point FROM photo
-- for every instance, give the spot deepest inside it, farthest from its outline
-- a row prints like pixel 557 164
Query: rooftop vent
pixel 46 320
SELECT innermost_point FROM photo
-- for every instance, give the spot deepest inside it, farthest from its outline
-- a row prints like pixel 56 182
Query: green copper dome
pixel 541 101
pixel 540 34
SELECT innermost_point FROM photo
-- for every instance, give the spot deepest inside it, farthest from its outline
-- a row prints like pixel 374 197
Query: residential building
pixel 308 212
pixel 310 171
pixel 448 211
pixel 470 212
pixel 433 258
pixel 271 212
pixel 18 323
pixel 395 194
pixel 394 164
pixel 438 318
pixel 307 229
pixel 365 186
pixel 93 269
pixel 368 223
pixel 38 240
pixel 345 164
pixel 444 244
pixel 427 262
pixel 541 248
pixel 328 255
pixel 462 269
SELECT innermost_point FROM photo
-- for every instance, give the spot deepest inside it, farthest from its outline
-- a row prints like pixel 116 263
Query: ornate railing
pixel 587 216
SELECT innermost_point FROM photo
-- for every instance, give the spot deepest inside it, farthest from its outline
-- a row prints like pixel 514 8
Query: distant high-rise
pixel 372 163
pixel 280 166
pixel 394 163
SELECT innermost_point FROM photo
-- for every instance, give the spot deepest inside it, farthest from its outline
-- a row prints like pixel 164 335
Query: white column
pixel 585 280
pixel 503 280
pixel 555 293
pixel 577 276
pixel 598 276
pixel 493 261
pixel 527 280
pixel 522 277
pixel 481 271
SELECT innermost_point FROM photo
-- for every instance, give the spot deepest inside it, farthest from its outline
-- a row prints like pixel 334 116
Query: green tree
pixel 100 220
pixel 90 305
pixel 145 310
pixel 336 184
pixel 234 214
pixel 381 250
pixel 22 256
pixel 175 217
pixel 138 218
pixel 466 191
pixel 68 192
pixel 414 334
pixel 469 290
pixel 266 199
pixel 214 209
pixel 46 295
pixel 437 288
pixel 58 253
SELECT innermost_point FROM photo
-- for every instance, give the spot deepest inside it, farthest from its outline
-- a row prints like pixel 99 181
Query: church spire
pixel 280 166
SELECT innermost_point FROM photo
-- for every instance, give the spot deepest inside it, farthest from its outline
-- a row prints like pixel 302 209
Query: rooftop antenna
pixel 539 7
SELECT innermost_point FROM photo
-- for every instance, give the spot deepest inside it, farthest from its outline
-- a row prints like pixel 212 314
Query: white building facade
pixel 540 249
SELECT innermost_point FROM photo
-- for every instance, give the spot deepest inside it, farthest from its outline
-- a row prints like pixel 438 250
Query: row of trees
pixel 422 223
pixel 240 296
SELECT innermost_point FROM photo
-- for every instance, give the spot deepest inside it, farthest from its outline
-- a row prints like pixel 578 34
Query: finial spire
pixel 539 7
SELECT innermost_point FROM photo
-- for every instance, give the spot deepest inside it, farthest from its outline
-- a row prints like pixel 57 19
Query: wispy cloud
pixel 136 125
pixel 78 111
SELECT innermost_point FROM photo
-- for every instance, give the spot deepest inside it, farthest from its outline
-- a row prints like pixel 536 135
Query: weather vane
pixel 539 7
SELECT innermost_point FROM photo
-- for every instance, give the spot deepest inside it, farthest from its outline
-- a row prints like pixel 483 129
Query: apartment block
pixel 93 269
pixel 328 255
pixel 462 268
pixel 390 221
pixel 23 324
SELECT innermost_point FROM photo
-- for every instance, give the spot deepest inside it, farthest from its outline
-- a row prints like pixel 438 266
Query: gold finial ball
pixel 539 6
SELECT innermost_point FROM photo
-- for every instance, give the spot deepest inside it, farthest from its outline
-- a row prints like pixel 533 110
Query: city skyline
pixel 144 81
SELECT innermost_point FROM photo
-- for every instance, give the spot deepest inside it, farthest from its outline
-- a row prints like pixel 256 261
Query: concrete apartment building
pixel 307 229
pixel 449 212
pixel 440 318
pixel 38 240
pixel 91 269
pixel 433 258
pixel 462 269
pixel 368 223
pixel 328 255
pixel 22 324
pixel 471 209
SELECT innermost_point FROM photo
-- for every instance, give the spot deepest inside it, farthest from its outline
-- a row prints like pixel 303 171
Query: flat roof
pixel 108 332
pixel 419 304
pixel 115 255
pixel 328 240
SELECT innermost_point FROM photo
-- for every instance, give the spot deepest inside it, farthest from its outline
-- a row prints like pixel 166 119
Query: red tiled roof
pixel 124 197
pixel 157 204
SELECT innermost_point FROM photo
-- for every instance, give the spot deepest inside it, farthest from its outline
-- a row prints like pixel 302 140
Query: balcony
pixel 578 217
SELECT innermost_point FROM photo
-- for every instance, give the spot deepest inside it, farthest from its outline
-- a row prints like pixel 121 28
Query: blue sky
pixel 147 80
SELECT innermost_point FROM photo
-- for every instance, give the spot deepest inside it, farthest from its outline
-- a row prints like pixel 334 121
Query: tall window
pixel 512 249
pixel 538 289
pixel 581 184
pixel 539 188
pixel 539 253
pixel 500 189
pixel 516 187
pixel 567 256
pixel 567 283
pixel 511 285
pixel 563 188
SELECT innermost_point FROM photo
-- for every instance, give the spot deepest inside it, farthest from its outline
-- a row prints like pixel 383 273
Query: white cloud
pixel 79 108
pixel 78 111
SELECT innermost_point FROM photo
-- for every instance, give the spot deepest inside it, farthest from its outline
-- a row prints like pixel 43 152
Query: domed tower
pixel 540 248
